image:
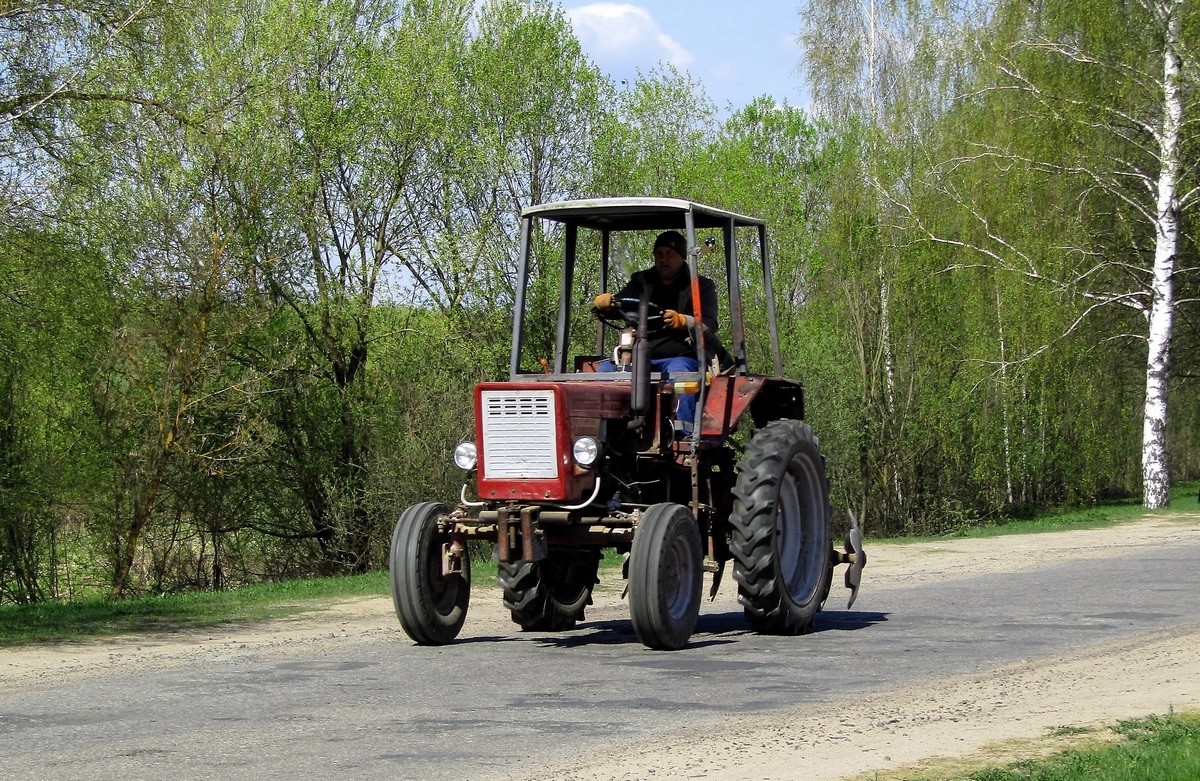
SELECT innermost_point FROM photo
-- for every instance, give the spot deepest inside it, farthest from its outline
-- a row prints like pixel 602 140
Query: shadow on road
pixel 712 629
pixel 847 620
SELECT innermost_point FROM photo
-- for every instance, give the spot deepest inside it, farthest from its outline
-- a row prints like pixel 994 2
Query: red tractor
pixel 571 457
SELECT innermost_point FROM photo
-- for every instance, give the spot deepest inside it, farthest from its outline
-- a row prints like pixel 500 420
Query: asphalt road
pixel 491 705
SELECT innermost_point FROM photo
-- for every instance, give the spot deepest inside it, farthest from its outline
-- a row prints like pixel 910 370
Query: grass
pixel 56 622
pixel 1156 748
pixel 51 622
pixel 1183 498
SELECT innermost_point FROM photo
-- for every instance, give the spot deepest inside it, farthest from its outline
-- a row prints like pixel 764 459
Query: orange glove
pixel 674 319
pixel 604 301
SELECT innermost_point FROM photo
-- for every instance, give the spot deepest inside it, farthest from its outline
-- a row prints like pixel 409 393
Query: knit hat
pixel 674 240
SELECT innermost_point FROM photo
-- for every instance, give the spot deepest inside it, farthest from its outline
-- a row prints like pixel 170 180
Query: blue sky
pixel 738 49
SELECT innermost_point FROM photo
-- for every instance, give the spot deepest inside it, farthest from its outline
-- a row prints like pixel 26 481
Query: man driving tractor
pixel 668 285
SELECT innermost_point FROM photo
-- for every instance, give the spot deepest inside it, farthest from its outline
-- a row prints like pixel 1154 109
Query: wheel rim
pixel 677 578
pixel 798 511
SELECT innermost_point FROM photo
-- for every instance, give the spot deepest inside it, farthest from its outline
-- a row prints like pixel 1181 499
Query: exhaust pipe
pixel 639 401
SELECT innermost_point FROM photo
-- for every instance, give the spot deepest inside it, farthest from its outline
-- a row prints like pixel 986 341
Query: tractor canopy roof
pixel 623 214
pixel 591 261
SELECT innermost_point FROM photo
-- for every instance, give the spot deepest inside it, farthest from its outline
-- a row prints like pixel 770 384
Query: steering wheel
pixel 626 314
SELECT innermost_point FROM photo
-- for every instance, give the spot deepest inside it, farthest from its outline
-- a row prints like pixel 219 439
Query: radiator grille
pixel 519 435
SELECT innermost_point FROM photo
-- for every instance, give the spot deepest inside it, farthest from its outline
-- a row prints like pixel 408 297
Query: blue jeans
pixel 685 411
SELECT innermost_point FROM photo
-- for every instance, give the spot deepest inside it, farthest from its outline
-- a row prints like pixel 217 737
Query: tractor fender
pixel 728 398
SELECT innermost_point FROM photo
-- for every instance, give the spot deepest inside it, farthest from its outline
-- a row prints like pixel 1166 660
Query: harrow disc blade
pixel 858 559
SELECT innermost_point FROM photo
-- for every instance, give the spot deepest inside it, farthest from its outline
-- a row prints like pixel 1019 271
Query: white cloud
pixel 625 34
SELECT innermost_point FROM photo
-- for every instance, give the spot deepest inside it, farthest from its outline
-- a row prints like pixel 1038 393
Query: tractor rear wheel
pixel 665 571
pixel 550 595
pixel 431 606
pixel 780 529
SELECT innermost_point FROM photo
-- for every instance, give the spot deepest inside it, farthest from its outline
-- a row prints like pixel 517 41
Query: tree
pixel 1107 86
pixel 859 65
pixel 654 140
pixel 51 331
pixel 519 107
pixel 51 63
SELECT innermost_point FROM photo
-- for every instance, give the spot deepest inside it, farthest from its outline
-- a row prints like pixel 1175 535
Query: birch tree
pixel 1167 135
pixel 1094 97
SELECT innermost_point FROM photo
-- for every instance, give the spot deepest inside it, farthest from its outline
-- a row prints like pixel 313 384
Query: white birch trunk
pixel 1155 474
pixel 885 335
pixel 1002 391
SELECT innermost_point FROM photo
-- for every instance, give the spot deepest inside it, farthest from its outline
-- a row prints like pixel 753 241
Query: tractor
pixel 571 457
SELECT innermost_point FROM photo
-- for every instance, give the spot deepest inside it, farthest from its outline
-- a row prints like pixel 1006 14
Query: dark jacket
pixel 678 296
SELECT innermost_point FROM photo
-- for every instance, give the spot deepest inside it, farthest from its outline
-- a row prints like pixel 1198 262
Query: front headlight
pixel 586 450
pixel 466 456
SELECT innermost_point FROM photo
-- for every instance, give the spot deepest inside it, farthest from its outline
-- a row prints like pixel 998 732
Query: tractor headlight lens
pixel 466 456
pixel 586 451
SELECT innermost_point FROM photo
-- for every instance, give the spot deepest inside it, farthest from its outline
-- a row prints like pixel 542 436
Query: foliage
pixel 51 328
pixel 255 255
pixel 993 259
pixel 258 187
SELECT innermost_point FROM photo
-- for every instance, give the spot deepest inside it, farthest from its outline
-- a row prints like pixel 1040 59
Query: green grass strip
pixel 1157 748
pixel 1183 499
pixel 58 621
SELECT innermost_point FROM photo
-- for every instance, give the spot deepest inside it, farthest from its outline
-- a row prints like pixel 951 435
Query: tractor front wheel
pixel 780 529
pixel 665 571
pixel 431 606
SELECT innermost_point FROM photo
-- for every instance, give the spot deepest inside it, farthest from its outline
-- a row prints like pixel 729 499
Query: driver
pixel 670 288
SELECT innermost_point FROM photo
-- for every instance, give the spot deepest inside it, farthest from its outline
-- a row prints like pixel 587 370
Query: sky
pixel 738 49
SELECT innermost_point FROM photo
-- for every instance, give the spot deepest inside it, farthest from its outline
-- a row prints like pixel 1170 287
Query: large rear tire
pixel 665 571
pixel 550 595
pixel 780 529
pixel 431 606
